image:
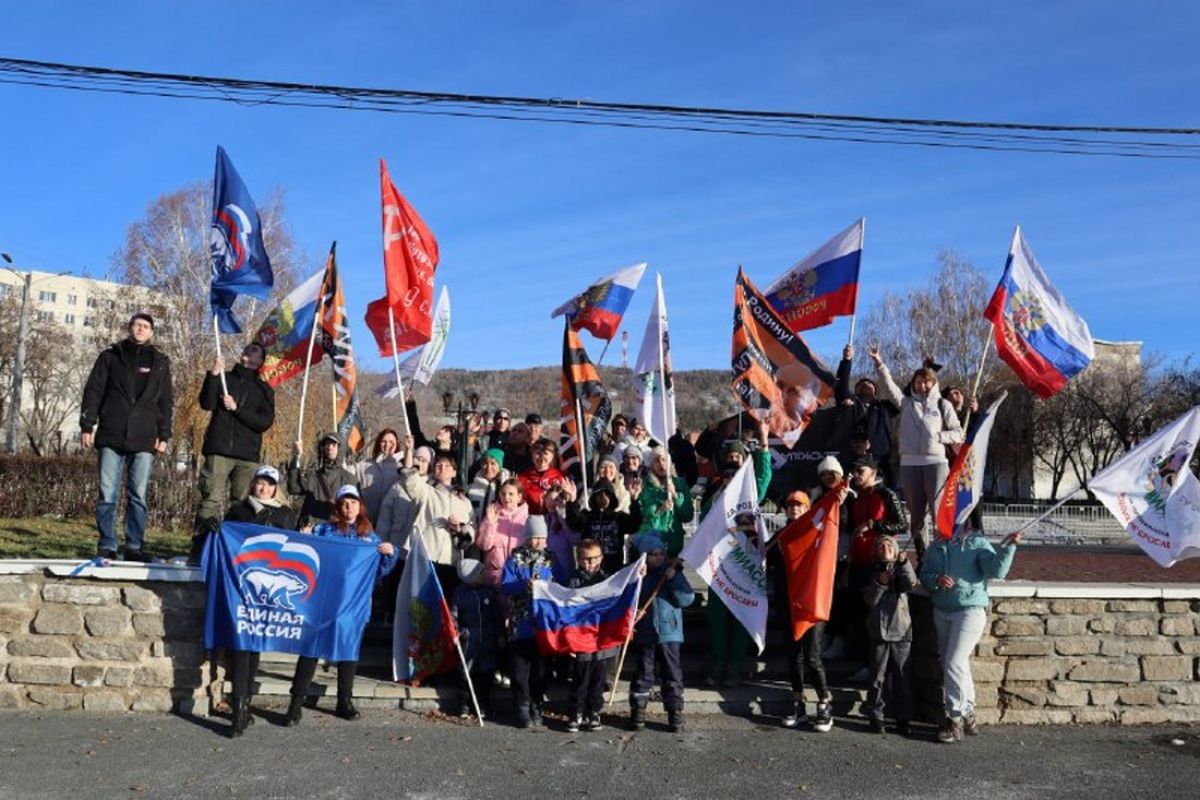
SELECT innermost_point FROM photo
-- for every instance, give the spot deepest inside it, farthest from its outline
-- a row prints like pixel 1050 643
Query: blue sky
pixel 526 213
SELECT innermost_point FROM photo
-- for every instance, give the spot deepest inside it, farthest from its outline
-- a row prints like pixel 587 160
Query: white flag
pixel 1152 492
pixel 653 385
pixel 722 554
pixel 420 364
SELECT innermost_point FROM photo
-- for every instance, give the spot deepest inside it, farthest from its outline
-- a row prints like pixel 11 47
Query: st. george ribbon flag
pixel 285 333
pixel 823 285
pixel 271 590
pixel 599 307
pixel 587 620
pixel 410 259
pixel 424 633
pixel 727 553
pixel 775 375
pixel 1153 493
pixel 582 392
pixel 239 258
pixel 653 383
pixel 1037 334
pixel 964 485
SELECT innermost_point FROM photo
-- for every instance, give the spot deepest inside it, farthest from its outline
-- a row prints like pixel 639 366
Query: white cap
pixel 268 472
pixel 349 490
pixel 830 464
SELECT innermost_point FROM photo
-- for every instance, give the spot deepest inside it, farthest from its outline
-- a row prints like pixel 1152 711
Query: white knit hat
pixel 830 464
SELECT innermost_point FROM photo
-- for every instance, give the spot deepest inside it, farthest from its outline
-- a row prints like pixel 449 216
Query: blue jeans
pixel 137 475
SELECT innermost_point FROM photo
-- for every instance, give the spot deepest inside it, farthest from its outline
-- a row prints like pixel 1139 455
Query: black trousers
pixel 891 680
pixel 447 575
pixel 806 661
pixel 657 662
pixel 306 668
pixel 527 669
pixel 587 685
pixel 243 665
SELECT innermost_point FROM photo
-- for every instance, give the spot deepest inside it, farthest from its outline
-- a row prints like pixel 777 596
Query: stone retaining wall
pixel 129 638
pixel 103 645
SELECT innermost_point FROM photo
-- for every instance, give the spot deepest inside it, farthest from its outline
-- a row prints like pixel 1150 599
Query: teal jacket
pixel 972 562
pixel 762 477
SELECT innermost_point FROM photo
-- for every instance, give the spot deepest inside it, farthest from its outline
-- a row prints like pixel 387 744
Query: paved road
pixel 398 754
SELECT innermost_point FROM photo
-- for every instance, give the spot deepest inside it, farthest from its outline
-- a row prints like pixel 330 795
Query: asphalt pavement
pixel 399 754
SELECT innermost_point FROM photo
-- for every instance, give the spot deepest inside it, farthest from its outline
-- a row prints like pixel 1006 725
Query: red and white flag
pixel 410 258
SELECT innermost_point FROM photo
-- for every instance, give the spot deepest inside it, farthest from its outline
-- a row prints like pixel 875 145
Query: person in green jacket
pixel 666 502
pixel 728 640
pixel 956 571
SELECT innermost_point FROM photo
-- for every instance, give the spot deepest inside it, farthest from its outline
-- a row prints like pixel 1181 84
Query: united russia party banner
pixel 271 590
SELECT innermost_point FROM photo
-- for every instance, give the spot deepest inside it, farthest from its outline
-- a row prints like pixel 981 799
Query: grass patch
pixel 49 537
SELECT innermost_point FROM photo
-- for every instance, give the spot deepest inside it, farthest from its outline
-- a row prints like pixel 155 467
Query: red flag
pixel 809 546
pixel 410 258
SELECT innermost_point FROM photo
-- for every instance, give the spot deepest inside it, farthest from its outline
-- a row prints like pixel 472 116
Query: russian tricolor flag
pixel 587 620
pixel 823 285
pixel 964 484
pixel 600 307
pixel 1037 334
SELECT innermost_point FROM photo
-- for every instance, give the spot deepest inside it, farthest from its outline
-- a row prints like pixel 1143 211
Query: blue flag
pixel 240 263
pixel 287 592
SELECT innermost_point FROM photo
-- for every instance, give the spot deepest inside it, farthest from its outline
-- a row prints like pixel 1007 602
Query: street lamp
pixel 18 378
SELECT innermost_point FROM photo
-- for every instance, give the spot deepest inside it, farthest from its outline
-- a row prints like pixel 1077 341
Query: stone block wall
pixel 1075 653
pixel 102 645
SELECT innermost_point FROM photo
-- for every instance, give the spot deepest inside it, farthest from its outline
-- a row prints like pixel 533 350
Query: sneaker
pixel 594 723
pixel 138 556
pixel 575 724
pixel 823 723
pixel 535 716
pixel 464 711
pixel 952 731
pixel 798 717
pixel 106 554
pixel 876 725
pixel 637 718
pixel 970 726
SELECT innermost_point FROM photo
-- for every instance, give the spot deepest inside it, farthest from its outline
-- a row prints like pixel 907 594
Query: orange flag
pixel 809 546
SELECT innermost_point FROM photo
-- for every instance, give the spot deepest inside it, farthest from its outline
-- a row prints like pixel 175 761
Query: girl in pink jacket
pixel 502 530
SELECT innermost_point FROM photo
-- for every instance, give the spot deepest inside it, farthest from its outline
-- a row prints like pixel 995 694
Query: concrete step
pixel 760 697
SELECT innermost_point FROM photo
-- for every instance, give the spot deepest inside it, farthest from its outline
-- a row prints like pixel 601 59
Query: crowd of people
pixel 515 518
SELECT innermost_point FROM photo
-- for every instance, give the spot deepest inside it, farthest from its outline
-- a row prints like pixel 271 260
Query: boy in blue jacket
pixel 658 634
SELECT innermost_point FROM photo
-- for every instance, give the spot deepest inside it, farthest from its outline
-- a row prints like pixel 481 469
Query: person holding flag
pixel 349 520
pixel 956 572
pixel 239 257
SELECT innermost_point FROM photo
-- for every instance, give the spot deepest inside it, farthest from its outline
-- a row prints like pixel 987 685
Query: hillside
pixel 702 396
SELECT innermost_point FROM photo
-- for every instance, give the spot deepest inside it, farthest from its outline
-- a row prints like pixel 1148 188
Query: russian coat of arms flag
pixel 271 590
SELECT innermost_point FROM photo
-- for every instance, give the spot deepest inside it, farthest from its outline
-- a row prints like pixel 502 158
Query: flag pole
pixel 987 344
pixel 333 404
pixel 1052 509
pixel 862 245
pixel 603 351
pixel 217 337
pixel 462 659
pixel 396 364
pixel 582 447
pixel 312 340
pixel 612 693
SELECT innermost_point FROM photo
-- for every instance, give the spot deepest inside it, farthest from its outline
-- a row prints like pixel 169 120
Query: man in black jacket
pixel 126 416
pixel 868 413
pixel 243 409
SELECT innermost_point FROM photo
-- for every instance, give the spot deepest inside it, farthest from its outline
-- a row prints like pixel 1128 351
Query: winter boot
pixel 970 726
pixel 346 710
pixel 637 717
pixel 675 720
pixel 294 712
pixel 241 716
pixel 823 722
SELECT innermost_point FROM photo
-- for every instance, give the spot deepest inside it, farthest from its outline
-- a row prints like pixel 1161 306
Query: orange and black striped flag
pixel 581 381
pixel 775 375
pixel 334 335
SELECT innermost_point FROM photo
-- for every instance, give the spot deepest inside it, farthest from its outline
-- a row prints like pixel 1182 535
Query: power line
pixel 1091 140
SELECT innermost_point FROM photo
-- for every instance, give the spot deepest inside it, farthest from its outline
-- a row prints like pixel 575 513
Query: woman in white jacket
pixel 927 424
pixel 377 476
pixel 442 514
